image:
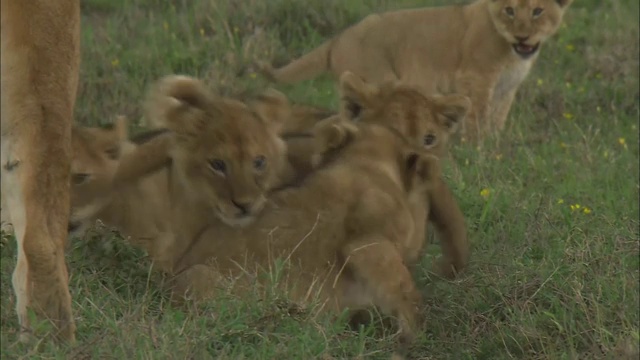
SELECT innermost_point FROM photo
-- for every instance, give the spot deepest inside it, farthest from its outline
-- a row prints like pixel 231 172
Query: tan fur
pixel 343 232
pixel 95 152
pixel 138 209
pixel 40 58
pixel 420 118
pixel 463 49
pixel 348 206
pixel 427 121
pixel 137 201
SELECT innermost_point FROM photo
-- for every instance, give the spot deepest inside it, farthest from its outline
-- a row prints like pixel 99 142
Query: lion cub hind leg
pixel 380 272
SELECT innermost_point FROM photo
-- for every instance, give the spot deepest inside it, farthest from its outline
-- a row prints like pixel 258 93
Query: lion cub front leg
pixel 500 110
pixel 480 91
pixel 447 218
pixel 380 272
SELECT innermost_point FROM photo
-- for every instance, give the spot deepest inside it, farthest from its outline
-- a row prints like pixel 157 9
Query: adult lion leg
pixel 5 220
pixel 379 269
pixel 40 59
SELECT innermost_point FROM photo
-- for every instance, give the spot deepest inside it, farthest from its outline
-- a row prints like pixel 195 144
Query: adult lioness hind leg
pixel 379 268
pixel 40 59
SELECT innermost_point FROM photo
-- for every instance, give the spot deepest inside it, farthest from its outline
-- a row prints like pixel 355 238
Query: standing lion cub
pixel 483 50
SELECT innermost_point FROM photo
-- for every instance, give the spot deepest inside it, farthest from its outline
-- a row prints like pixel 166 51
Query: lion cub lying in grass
pixel 484 50
pixel 140 207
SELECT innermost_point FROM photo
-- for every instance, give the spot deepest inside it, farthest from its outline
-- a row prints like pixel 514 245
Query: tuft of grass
pixel 551 205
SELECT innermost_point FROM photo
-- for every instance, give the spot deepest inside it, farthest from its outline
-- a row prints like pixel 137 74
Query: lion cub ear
pixel 179 103
pixel 273 108
pixel 331 135
pixel 451 110
pixel 355 95
pixel 422 170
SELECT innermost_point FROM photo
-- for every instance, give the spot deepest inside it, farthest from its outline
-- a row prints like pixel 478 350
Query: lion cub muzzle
pixel 240 212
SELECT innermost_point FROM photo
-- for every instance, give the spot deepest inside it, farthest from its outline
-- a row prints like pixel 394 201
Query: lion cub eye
pixel 537 12
pixel 218 165
pixel 259 162
pixel 509 11
pixel 429 140
pixel 80 178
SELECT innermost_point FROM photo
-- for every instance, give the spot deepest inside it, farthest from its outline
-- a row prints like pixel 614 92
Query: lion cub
pixel 343 231
pixel 133 192
pixel 484 50
pixel 138 210
pixel 427 121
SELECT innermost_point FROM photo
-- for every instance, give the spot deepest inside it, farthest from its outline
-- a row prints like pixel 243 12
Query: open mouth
pixel 525 50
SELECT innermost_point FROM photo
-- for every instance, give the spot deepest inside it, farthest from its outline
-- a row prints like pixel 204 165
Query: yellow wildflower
pixel 540 82
pixel 575 207
pixel 568 115
pixel 622 142
pixel 115 62
pixel 586 210
pixel 485 193
pixel 560 201
pixel 570 47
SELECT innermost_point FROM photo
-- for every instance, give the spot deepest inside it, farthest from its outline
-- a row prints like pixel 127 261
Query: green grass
pixel 547 280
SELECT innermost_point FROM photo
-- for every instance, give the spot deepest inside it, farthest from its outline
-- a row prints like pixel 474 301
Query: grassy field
pixel 552 208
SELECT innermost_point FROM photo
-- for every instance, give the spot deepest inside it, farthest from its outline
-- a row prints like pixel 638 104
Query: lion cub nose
pixel 243 206
pixel 521 38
